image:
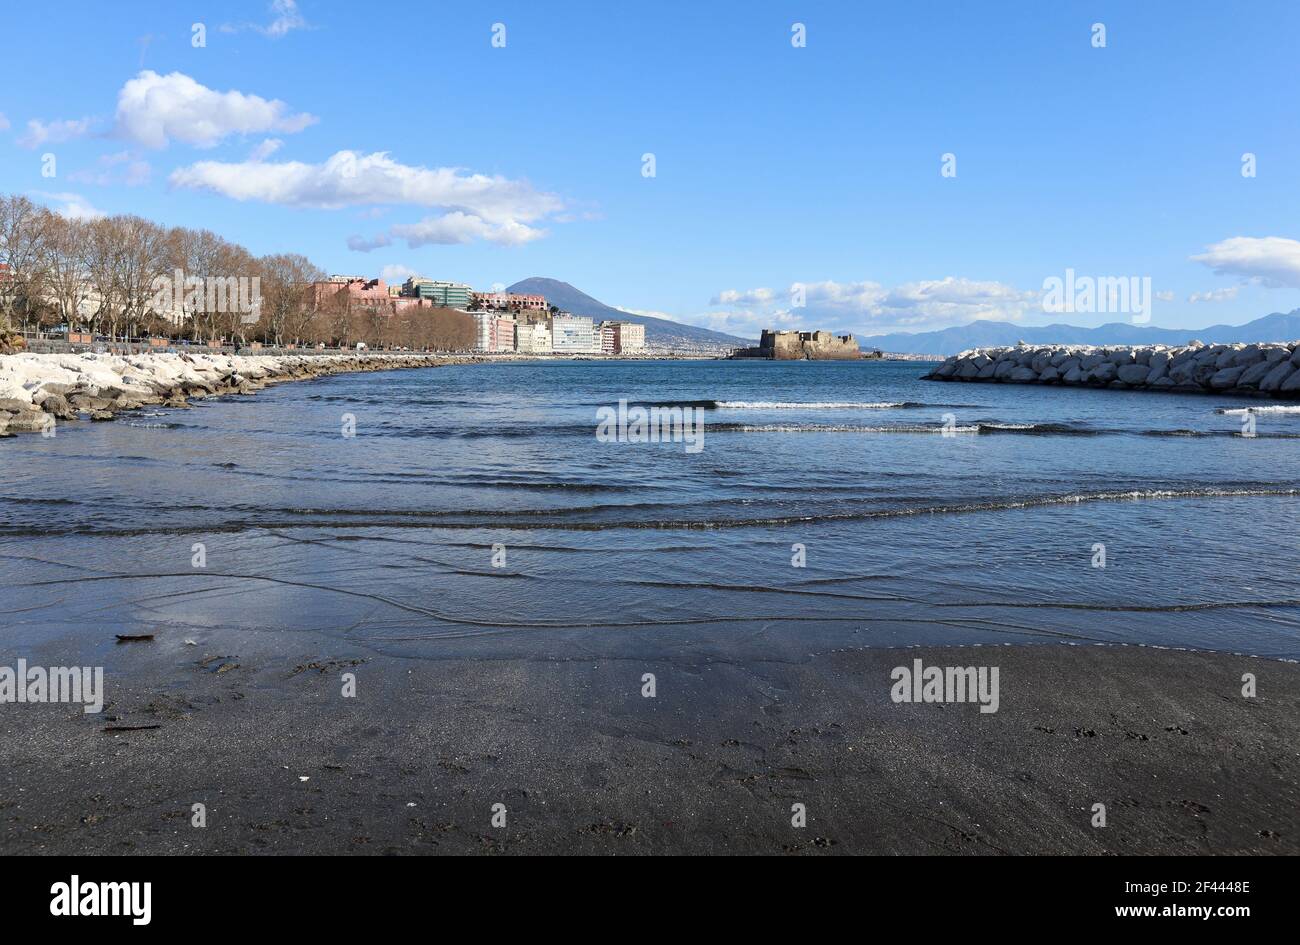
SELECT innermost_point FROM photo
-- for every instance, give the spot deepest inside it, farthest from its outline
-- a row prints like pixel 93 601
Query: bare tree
pixel 103 266
pixel 23 227
pixel 64 267
pixel 286 293
pixel 233 263
pixel 144 258
pixel 339 317
pixel 198 255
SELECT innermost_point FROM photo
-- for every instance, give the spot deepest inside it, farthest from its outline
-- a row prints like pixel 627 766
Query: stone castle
pixel 803 346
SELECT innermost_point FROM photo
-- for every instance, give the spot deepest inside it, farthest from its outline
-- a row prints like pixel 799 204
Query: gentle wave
pixel 1040 429
pixel 525 520
pixel 1271 408
pixel 1235 434
pixel 815 405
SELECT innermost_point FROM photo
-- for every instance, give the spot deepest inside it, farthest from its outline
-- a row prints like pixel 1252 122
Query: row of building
pixel 506 322
pixel 559 333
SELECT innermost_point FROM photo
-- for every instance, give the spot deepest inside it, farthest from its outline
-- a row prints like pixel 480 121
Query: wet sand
pixel 713 764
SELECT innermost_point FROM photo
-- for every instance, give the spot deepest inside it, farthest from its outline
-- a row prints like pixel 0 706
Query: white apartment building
pixel 574 334
pixel 483 323
pixel 533 339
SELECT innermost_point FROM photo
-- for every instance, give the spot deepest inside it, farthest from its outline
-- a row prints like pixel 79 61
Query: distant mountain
pixel 985 334
pixel 659 332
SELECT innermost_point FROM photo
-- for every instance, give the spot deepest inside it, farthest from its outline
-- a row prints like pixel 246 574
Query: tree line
pixel 102 276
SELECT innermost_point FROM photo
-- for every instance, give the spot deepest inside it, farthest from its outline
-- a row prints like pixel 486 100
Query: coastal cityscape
pixel 128 279
pixel 504 322
pixel 703 430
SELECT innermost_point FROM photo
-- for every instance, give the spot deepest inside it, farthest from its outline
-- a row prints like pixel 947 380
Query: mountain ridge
pixel 1278 326
pixel 659 332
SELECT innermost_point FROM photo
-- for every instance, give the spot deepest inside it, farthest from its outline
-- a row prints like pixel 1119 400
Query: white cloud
pixel 4 122
pixel 396 272
pixel 71 206
pixel 54 132
pixel 1165 296
pixel 123 167
pixel 459 227
pixel 265 149
pixel 154 109
pixel 478 207
pixel 1273 261
pixel 747 297
pixel 360 244
pixel 448 230
pixel 285 19
pixel 350 179
pixel 1214 295
pixel 870 306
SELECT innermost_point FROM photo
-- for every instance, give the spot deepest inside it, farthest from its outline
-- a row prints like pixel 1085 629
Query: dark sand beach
pixel 585 764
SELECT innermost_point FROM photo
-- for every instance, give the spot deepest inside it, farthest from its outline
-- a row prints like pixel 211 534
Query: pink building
pixel 367 293
pixel 510 301
pixel 608 337
pixel 503 334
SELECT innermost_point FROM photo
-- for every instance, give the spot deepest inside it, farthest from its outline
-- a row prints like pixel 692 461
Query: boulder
pixel 1225 378
pixel 1255 373
pixel 1133 373
pixel 1103 373
pixel 1251 354
pixel 1273 379
pixel 1291 384
pixel 1202 373
pixel 57 405
pixel 1226 356
pixel 31 420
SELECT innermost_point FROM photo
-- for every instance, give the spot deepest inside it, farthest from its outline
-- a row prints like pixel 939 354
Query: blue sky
pixel 400 124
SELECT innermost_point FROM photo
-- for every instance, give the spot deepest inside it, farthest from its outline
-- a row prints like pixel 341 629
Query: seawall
pixel 38 389
pixel 1254 370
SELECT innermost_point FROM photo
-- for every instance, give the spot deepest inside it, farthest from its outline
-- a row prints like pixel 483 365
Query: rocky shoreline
pixel 1255 370
pixel 37 390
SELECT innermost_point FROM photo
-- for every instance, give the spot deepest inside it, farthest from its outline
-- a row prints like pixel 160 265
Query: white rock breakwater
pixel 37 387
pixel 1258 370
